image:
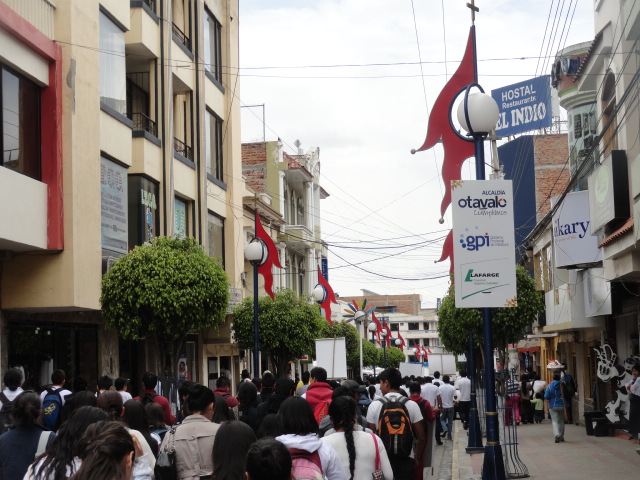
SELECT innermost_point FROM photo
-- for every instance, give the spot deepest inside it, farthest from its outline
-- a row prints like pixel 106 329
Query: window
pixel 144 222
pixel 394 327
pixel 213 126
pixel 609 120
pixel 413 326
pixel 180 227
pixel 215 236
pixel 213 46
pixel 181 16
pixel 20 138
pixel 113 90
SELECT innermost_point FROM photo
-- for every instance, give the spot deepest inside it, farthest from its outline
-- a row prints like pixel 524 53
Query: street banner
pixel 483 233
pixel 524 106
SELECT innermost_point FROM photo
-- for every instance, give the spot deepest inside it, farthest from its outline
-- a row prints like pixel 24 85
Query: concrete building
pixel 591 280
pixel 119 124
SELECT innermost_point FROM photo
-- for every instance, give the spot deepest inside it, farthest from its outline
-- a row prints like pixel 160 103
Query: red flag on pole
pixel 330 297
pixel 272 257
pixel 402 340
pixel 424 355
pixel 375 320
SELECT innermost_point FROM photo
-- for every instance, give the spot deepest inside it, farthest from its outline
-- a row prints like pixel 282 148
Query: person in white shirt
pixel 13 380
pixel 390 382
pixel 464 400
pixel 58 379
pixel 447 399
pixel 121 385
pixel 430 393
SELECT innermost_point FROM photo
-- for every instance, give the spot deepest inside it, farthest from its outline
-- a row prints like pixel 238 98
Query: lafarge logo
pixel 471 275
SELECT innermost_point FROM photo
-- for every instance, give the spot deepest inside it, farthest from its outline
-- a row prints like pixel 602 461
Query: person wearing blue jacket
pixel 554 396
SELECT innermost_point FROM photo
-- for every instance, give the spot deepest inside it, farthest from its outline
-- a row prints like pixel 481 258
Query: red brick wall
pixel 551 169
pixel 254 165
pixel 409 304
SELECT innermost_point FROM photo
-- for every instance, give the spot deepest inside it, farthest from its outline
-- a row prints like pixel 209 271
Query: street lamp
pixel 384 345
pixel 358 318
pixel 372 327
pixel 256 253
pixel 478 114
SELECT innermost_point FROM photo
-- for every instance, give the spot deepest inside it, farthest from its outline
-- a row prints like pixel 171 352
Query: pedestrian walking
pixel 149 383
pixel 556 404
pixel 230 449
pixel 447 394
pixel 268 459
pixel 429 392
pixel 13 379
pixel 538 407
pixel 633 388
pixel 463 384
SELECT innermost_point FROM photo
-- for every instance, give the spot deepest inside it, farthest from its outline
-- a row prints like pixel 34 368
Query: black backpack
pixel 147 398
pixel 395 428
pixel 6 417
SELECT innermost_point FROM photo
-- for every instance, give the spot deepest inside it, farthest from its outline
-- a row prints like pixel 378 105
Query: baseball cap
pixel 354 386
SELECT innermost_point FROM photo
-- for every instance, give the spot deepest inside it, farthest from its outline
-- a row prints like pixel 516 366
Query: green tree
pixel 508 323
pixel 161 292
pixel 352 339
pixel 287 327
pixel 394 357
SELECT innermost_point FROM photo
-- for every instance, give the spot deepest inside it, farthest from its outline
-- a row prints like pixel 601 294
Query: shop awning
pixel 529 349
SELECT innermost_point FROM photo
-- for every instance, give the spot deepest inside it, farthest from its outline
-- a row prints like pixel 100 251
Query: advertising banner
pixel 573 243
pixel 524 106
pixel 483 234
pixel 113 186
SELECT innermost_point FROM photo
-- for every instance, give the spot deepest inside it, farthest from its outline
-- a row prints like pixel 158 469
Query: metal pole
pixel 474 444
pixel 256 341
pixel 373 341
pixel 493 467
pixel 361 336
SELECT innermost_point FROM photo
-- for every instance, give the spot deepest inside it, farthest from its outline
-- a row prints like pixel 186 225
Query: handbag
pixel 377 474
pixel 165 468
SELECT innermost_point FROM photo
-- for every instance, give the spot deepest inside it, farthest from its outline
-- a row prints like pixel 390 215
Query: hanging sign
pixel 524 106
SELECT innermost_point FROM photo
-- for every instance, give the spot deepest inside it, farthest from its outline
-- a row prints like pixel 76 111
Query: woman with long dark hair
pixel 248 405
pixel 59 461
pixel 268 459
pixel 19 446
pixel 360 453
pixel 221 409
pixel 135 417
pixel 230 450
pixel 300 434
pixel 108 451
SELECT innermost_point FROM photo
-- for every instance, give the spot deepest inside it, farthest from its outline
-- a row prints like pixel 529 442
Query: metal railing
pixel 182 36
pixel 182 148
pixel 151 4
pixel 143 122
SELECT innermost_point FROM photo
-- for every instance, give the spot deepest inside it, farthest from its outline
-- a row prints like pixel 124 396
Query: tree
pixel 161 292
pixel 508 323
pixel 352 339
pixel 287 327
pixel 394 357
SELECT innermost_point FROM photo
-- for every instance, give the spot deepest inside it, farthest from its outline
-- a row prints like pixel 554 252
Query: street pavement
pixel 580 456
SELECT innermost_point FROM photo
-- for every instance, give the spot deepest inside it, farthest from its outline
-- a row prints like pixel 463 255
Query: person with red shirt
pixel 149 382
pixel 223 388
pixel 319 390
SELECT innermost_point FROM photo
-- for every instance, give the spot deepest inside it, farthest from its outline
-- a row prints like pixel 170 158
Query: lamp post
pixel 359 317
pixel 478 114
pixel 257 253
pixel 372 327
pixel 384 345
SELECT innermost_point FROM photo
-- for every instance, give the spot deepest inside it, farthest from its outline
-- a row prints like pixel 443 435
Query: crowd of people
pixel 273 428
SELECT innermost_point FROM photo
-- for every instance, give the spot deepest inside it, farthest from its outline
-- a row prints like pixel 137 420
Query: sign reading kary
pixel 483 243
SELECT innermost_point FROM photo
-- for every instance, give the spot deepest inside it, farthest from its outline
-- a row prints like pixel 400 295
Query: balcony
pixel 298 237
pixel 144 123
pixel 38 13
pixel 182 149
pixel 181 36
pixel 142 41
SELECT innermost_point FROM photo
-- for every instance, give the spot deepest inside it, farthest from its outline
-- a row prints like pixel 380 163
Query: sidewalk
pixel 580 456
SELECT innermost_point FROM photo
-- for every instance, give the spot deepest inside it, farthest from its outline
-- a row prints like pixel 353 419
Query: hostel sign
pixel 483 234
pixel 524 106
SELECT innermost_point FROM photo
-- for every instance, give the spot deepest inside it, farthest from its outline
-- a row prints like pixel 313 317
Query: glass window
pixel 180 218
pixel 113 88
pixel 213 126
pixel 20 124
pixel 215 237
pixel 212 46
pixel 395 327
pixel 413 326
pixel 143 210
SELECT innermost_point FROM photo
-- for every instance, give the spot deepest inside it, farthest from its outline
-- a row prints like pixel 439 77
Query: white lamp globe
pixel 483 113
pixel 415 351
pixel 359 316
pixel 383 332
pixel 319 293
pixel 256 251
pixel 398 342
pixel 372 327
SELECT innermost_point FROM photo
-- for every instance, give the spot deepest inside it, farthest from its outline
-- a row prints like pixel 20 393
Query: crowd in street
pixel 274 428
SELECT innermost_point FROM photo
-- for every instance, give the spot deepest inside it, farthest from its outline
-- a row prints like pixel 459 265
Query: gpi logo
pixel 474 242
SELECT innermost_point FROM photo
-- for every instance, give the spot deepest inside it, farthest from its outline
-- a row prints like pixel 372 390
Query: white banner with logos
pixel 483 243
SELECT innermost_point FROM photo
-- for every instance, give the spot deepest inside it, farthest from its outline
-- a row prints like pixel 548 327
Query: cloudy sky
pixel 357 78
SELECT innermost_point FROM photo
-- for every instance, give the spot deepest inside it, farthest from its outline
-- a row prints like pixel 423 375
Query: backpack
pixel 52 409
pixel 6 417
pixel 394 427
pixel 305 465
pixel 321 410
pixel 421 403
pixel 569 384
pixel 147 398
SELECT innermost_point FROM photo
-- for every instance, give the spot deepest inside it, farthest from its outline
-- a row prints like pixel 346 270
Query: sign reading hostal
pixel 483 242
pixel 524 106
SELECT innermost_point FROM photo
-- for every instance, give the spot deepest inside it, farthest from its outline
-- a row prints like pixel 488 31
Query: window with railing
pixel 182 125
pixel 181 16
pixel 20 123
pixel 182 148
pixel 138 102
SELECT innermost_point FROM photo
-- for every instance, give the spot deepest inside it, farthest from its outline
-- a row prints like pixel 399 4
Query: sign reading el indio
pixel 524 106
pixel 483 242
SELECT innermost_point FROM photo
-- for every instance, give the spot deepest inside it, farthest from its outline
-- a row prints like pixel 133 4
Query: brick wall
pixel 551 170
pixel 254 165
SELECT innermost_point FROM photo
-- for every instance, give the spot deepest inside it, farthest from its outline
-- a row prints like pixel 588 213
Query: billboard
pixel 483 233
pixel 524 106
pixel 573 243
